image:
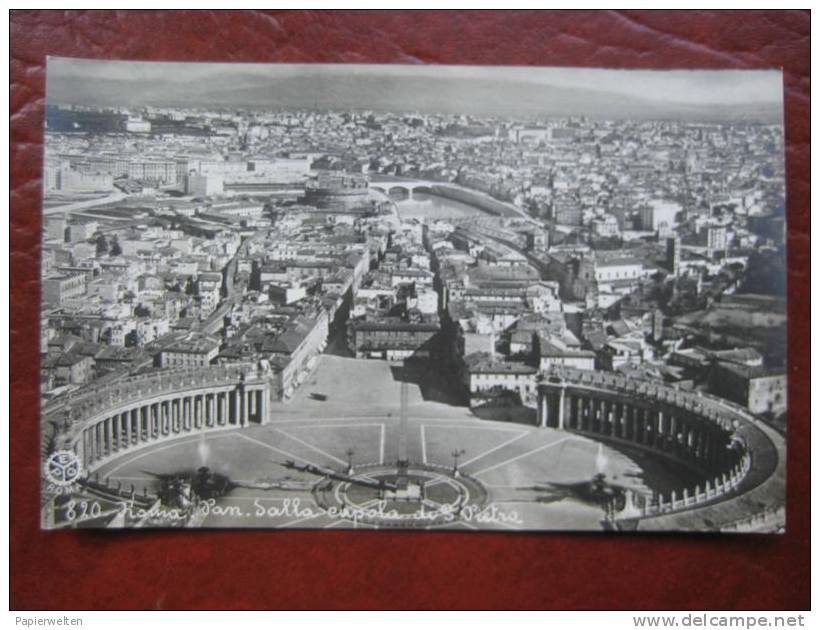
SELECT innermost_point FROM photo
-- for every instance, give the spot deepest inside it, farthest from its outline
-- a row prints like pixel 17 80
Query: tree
pixel 766 273
pixel 102 245
pixel 115 249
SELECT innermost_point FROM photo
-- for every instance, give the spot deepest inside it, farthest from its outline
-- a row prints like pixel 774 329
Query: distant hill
pixel 447 95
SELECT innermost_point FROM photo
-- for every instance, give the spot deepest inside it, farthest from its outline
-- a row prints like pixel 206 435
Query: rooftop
pixel 485 363
pixel 193 343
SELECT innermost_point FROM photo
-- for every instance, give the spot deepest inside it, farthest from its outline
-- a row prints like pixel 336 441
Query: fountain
pixel 186 488
pixel 204 450
pixel 601 460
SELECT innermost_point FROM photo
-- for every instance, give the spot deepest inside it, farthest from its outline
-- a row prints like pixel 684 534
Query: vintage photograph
pixel 412 296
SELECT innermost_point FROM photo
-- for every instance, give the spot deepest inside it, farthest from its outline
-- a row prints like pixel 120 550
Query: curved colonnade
pixel 101 422
pixel 730 450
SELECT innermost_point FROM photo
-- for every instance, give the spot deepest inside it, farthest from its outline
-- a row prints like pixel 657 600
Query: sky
pixel 362 85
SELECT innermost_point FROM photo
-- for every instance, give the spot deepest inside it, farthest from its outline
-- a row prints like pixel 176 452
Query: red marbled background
pixel 388 569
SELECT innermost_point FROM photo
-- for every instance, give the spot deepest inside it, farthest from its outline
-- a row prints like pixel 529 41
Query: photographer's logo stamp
pixel 63 469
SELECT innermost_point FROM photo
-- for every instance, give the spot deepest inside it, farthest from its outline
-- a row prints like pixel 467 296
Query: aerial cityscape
pixel 371 311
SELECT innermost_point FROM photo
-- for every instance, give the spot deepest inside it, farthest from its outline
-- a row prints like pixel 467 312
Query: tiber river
pixel 421 204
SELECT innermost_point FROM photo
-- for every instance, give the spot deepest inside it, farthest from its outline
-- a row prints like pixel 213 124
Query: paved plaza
pixel 349 412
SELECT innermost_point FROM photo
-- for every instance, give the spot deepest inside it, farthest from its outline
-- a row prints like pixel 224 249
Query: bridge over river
pixel 479 200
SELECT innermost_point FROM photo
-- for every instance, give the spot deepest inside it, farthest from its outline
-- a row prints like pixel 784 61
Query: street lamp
pixel 456 454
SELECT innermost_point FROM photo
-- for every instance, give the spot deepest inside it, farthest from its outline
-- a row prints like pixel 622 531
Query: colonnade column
pixel 109 435
pixel 561 412
pixel 544 410
pixel 106 436
pixel 109 439
pixel 618 420
pixel 116 430
pixel 552 408
pixel 166 418
pixel 640 426
pixel 133 425
pixel 698 442
pixel 663 429
pixel 263 406
pixel 673 431
pixel 198 404
pixel 706 454
pixel 580 403
pixel 88 445
pixel 125 429
pixel 252 407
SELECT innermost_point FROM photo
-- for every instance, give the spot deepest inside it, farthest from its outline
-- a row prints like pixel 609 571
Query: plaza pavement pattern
pixel 524 469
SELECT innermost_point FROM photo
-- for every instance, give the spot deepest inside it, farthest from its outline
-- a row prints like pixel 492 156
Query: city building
pixel 757 388
pixel 658 214
pixel 203 185
pixel 553 351
pixel 56 290
pixel 193 350
pixel 487 377
pixel 393 338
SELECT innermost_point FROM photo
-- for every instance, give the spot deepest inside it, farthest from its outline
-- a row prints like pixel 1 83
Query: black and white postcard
pixel 409 296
